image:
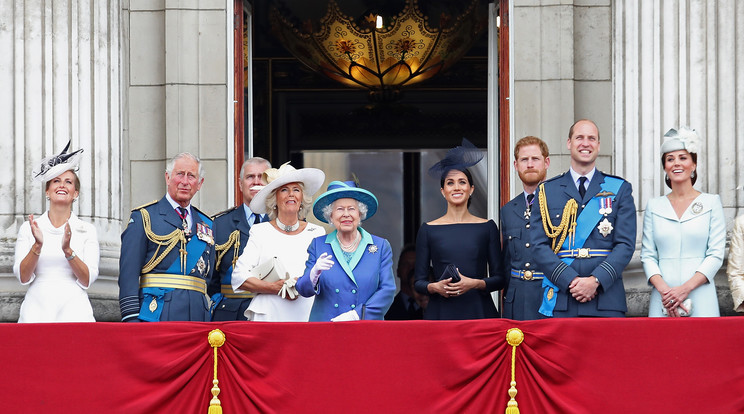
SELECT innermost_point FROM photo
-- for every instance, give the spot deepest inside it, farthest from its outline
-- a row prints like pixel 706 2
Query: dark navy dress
pixel 475 248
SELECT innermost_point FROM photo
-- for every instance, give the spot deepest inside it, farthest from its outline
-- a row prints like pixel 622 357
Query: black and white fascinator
pixel 55 165
pixel 459 158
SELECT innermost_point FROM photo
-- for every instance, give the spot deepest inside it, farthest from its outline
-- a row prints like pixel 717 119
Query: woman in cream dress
pixel 684 236
pixel 287 198
pixel 57 254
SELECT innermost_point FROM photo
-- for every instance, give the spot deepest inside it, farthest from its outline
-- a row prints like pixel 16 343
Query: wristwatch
pixel 70 257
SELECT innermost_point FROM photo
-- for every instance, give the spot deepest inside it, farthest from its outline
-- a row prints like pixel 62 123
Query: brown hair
pixel 76 180
pixel 530 140
pixel 693 178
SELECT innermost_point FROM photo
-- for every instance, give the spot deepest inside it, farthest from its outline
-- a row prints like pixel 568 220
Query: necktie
pixel 582 188
pixel 411 307
pixel 530 197
pixel 182 212
pixel 256 218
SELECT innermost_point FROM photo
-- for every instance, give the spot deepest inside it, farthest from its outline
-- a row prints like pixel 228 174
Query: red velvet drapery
pixel 636 365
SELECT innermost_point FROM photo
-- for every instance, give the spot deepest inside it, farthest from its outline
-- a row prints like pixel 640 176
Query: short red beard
pixel 532 179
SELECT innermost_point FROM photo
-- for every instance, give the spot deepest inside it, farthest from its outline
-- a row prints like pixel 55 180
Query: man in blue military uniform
pixel 523 294
pixel 167 252
pixel 231 230
pixel 585 233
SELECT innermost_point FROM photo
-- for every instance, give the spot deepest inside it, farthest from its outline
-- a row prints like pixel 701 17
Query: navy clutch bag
pixel 450 272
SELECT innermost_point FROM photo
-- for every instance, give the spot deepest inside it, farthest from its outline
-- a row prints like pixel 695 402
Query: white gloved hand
pixel 288 289
pixel 324 262
pixel 346 316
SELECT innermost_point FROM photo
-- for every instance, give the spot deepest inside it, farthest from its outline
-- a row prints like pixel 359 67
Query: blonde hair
pixel 307 202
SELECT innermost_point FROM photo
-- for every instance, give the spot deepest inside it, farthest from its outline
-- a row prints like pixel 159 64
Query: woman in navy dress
pixel 472 244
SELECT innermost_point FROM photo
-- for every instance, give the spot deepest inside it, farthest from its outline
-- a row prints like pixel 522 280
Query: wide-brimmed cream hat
pixel 311 178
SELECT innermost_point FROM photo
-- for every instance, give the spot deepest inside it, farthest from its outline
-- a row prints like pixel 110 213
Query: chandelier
pixel 381 53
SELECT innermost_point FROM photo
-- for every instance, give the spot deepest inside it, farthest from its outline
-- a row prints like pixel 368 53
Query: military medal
pixel 697 207
pixel 605 206
pixel 528 209
pixel 605 227
pixel 201 266
pixel 204 233
pixel 153 305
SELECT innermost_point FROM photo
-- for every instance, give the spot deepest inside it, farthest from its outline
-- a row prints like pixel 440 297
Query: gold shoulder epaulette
pixel 145 205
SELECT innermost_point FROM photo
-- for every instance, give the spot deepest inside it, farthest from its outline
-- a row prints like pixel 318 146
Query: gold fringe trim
pixel 568 221
pixel 216 339
pixel 514 337
pixel 233 240
pixel 169 240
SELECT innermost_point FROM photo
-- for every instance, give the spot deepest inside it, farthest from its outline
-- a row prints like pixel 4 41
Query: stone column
pixel 59 73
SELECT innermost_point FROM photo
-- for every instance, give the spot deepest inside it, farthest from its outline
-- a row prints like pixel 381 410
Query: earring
pixel 666 177
pixel 692 174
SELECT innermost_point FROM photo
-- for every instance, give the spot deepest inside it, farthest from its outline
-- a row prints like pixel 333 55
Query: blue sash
pixel 194 250
pixel 585 223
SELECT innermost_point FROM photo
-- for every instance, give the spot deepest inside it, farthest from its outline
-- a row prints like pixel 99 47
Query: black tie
pixel 582 189
pixel 530 197
pixel 256 218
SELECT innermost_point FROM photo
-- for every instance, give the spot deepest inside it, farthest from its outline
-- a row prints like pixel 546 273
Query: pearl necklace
pixel 286 228
pixel 351 246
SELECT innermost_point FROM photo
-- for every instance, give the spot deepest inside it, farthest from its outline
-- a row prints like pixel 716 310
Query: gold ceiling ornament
pixel 381 53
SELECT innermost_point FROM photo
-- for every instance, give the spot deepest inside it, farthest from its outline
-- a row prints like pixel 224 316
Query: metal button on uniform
pixel 337 290
pixel 583 205
pixel 527 264
pixel 526 245
pixel 527 225
pixel 353 306
pixel 335 305
pixel 353 290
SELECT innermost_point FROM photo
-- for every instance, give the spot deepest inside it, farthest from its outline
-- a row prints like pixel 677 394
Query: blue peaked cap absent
pixel 459 158
pixel 344 189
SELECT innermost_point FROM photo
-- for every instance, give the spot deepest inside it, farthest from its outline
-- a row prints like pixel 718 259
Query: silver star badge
pixel 605 227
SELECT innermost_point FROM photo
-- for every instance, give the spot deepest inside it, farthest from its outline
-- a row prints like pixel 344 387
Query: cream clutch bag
pixel 270 271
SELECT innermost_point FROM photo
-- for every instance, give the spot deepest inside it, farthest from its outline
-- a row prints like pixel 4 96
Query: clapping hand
pixel 35 230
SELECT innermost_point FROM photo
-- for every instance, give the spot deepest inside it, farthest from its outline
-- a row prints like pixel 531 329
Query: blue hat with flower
pixel 683 139
pixel 344 189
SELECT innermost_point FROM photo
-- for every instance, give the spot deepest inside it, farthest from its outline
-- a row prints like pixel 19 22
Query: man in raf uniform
pixel 167 252
pixel 584 233
pixel 231 230
pixel 523 295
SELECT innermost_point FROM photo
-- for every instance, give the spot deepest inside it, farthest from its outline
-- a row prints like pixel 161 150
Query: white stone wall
pixel 176 86
pixel 59 73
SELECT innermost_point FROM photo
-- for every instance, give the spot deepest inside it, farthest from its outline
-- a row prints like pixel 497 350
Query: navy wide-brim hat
pixel 344 189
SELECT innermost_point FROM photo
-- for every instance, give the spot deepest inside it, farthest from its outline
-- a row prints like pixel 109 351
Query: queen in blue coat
pixel 349 271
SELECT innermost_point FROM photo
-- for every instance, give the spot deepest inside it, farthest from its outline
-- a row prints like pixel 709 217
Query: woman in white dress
pixel 684 236
pixel 287 198
pixel 57 254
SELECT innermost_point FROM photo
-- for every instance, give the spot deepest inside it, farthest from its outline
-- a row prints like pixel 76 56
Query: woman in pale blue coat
pixel 684 236
pixel 349 271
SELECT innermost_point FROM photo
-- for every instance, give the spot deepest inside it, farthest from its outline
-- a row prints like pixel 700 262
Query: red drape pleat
pixel 633 365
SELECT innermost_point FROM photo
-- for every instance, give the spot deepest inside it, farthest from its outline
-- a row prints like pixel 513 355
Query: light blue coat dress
pixel 676 248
